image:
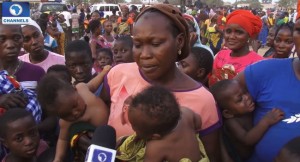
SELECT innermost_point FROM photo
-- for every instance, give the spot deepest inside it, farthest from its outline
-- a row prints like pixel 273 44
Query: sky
pixel 232 1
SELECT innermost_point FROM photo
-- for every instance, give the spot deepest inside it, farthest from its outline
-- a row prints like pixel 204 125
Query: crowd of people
pixel 174 85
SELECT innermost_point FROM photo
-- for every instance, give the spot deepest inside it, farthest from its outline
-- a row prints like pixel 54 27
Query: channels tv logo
pixel 100 154
pixel 15 13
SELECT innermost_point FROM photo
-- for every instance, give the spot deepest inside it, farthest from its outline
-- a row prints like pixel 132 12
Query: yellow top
pixel 133 150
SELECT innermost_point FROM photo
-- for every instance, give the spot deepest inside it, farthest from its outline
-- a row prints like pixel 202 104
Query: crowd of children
pixel 175 87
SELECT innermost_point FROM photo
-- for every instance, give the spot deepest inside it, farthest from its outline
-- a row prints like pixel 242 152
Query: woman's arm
pixel 241 79
pixel 212 145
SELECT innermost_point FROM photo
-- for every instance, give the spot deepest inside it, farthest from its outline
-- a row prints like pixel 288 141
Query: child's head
pixel 19 133
pixel 122 49
pixel 104 57
pixel 52 92
pixel 271 36
pixel 61 18
pixel 283 41
pixel 95 27
pixel 153 113
pixel 79 60
pixel 232 98
pixel 290 151
pixel 88 17
pixel 107 25
pixel 198 65
pixel 95 15
pixel 61 71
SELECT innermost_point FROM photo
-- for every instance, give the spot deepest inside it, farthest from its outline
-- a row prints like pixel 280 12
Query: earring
pixel 179 52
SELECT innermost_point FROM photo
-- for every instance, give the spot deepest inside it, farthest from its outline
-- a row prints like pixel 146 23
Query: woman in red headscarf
pixel 241 27
pixel 275 83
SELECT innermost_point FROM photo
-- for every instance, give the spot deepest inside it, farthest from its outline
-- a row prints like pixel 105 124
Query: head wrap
pixel 196 27
pixel 174 14
pixel 33 23
pixel 249 22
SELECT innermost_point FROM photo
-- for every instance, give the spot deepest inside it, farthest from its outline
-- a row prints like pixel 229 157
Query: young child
pixel 198 65
pixel 122 49
pixel 81 105
pixel 19 133
pixel 108 26
pixel 290 151
pixel 62 72
pixel 237 107
pixel 104 57
pixel 168 130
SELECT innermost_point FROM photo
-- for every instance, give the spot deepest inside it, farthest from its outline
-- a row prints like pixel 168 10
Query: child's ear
pixel 155 137
pixel 200 73
pixel 227 114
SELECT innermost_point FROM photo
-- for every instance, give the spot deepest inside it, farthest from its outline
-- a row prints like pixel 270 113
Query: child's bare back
pixel 181 143
pixel 72 105
pixel 96 112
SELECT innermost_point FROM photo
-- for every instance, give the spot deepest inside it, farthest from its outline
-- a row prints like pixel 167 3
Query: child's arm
pixel 96 82
pixel 153 153
pixel 62 142
pixel 93 46
pixel 252 136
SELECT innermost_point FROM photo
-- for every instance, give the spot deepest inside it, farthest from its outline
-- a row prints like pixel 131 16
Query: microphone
pixel 103 145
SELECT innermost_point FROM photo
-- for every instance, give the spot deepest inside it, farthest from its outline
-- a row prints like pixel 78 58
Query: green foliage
pixel 287 3
pixel 211 3
pixel 255 5
pixel 175 2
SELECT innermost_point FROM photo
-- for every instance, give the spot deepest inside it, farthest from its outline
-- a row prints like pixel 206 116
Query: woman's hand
pixel 12 100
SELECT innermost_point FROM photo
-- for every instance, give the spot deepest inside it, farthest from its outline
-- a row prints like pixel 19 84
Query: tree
pixel 255 4
pixel 93 1
pixel 287 3
pixel 266 1
pixel 75 2
pixel 136 1
pixel 212 3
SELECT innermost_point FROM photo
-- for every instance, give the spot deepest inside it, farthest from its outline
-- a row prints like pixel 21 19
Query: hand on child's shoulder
pixel 274 116
pixel 81 86
pixel 106 68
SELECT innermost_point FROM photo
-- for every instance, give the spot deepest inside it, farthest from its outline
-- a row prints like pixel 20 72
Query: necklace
pixel 17 68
